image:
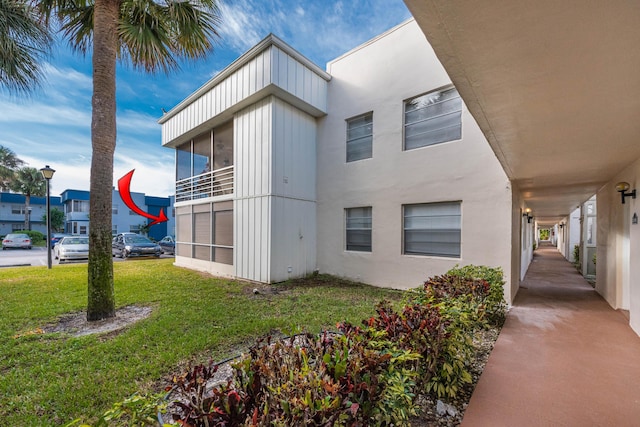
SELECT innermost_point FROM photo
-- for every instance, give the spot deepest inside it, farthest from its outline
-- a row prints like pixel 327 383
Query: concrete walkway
pixel 564 357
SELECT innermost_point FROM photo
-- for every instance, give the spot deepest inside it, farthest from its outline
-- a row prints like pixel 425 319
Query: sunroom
pixel 245 166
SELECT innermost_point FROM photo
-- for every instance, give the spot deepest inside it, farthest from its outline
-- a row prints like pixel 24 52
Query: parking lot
pixel 38 256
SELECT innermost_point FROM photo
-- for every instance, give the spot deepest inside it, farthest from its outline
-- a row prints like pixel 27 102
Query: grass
pixel 52 379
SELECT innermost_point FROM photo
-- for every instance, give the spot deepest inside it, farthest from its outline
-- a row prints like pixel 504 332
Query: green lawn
pixel 52 379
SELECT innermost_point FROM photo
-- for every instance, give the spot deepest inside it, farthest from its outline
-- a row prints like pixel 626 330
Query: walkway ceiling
pixel 554 85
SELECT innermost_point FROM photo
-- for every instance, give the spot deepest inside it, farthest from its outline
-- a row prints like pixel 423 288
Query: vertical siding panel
pixel 299 88
pixel 267 136
pixel 275 65
pixel 266 68
pixel 253 140
pixel 258 73
pixel 233 83
pixel 291 74
pixel 308 85
pixel 265 247
pixel 284 69
pixel 250 77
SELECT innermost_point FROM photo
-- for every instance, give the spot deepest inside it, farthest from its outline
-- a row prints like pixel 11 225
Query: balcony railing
pixel 209 184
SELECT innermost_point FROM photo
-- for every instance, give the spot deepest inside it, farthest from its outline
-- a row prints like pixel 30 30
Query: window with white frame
pixel 433 118
pixel 80 206
pixel 17 210
pixel 360 137
pixel 358 229
pixel 114 210
pixel 433 229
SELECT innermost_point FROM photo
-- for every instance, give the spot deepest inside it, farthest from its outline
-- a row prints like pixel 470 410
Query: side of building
pixel 13 209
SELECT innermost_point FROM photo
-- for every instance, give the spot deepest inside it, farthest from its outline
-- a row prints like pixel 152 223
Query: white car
pixel 72 247
pixel 16 240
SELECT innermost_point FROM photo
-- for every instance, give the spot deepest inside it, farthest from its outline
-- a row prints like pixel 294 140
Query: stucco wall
pixel 618 256
pixel 378 77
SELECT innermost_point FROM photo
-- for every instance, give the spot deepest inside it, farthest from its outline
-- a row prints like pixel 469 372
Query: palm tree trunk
pixel 27 203
pixel 101 298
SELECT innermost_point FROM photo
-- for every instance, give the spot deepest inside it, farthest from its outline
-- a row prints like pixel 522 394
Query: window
pixel 114 210
pixel 80 206
pixel 359 137
pixel 17 210
pixel 134 228
pixel 358 227
pixel 432 119
pixel 83 229
pixel 432 229
pixel 132 212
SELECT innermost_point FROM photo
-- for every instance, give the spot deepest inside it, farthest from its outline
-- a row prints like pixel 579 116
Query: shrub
pixel 494 303
pixel 438 333
pixel 326 380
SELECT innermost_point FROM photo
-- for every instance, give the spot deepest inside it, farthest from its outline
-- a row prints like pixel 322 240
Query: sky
pixel 52 125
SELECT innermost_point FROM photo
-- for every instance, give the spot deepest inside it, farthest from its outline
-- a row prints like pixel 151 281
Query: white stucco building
pixel 373 170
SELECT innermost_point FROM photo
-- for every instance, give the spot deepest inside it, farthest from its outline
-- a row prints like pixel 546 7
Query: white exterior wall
pixel 378 77
pixel 618 240
pixel 293 218
pixel 270 67
pixel 252 205
pixel 521 243
pixel 274 209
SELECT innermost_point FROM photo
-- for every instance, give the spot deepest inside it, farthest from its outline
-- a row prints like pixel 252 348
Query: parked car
pixel 56 238
pixel 132 244
pixel 16 240
pixel 168 245
pixel 72 247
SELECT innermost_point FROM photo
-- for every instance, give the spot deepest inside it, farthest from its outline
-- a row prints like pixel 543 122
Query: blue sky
pixel 52 125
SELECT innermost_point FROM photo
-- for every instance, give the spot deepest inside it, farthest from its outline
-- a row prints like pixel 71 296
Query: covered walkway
pixel 563 358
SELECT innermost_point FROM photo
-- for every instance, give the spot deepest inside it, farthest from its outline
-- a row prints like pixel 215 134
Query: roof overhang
pixel 554 86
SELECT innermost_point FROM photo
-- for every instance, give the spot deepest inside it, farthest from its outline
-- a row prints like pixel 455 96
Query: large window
pixel 205 232
pixel 432 119
pixel 358 229
pixel 80 206
pixel 17 210
pixel 432 229
pixel 359 137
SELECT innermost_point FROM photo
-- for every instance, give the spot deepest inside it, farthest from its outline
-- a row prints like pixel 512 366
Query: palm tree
pixel 28 181
pixel 152 36
pixel 24 42
pixel 9 162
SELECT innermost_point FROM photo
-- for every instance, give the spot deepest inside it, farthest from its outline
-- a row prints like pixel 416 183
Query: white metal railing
pixel 208 184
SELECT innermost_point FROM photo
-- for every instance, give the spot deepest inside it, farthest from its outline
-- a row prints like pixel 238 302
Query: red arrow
pixel 124 185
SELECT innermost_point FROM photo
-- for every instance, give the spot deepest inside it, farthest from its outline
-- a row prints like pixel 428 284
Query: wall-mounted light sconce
pixel 527 213
pixel 622 188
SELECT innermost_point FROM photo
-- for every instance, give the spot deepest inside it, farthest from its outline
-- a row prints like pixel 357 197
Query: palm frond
pixel 24 43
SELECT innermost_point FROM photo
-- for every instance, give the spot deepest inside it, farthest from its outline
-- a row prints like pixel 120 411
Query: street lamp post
pixel 29 217
pixel 47 174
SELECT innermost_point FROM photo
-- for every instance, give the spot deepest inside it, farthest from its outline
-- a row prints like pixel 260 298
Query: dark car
pixel 57 237
pixel 127 245
pixel 168 245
